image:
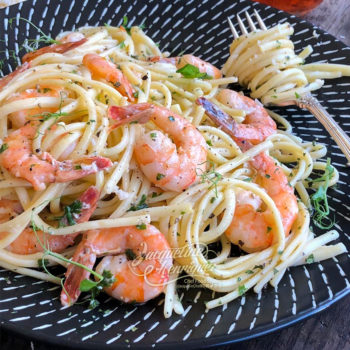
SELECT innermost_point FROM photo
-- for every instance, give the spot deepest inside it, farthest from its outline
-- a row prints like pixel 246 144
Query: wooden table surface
pixel 327 330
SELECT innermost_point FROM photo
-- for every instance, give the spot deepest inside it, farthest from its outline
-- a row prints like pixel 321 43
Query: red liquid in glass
pixel 299 7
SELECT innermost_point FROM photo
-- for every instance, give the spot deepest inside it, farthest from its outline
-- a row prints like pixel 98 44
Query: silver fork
pixel 305 100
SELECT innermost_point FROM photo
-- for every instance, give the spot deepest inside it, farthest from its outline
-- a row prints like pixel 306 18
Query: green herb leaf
pixel 67 219
pixel 310 259
pixel 87 285
pixel 209 142
pixel 241 290
pixel 190 71
pixel 141 226
pixel 297 95
pixel 160 176
pixel 141 205
pixel 319 199
pixel 4 147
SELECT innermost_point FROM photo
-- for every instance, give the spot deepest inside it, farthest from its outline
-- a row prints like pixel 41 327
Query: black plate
pixel 31 308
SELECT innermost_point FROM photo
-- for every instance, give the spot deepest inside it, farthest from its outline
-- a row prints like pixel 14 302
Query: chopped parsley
pixel 310 259
pixel 241 290
pixel 160 176
pixel 141 226
pixel 141 205
pixel 95 287
pixel 67 219
pixel 4 147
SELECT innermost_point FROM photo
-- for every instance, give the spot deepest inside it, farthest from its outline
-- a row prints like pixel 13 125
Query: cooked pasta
pixel 265 62
pixel 77 156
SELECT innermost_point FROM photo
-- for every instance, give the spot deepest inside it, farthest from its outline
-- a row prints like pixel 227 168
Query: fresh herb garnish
pixel 241 290
pixel 211 176
pixel 4 147
pixel 141 226
pixel 33 44
pixel 190 71
pixel 319 199
pixel 95 287
pixel 160 176
pixel 310 259
pixel 67 219
pixel 141 205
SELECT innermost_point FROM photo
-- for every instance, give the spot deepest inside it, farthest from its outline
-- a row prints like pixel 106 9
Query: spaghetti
pixel 71 104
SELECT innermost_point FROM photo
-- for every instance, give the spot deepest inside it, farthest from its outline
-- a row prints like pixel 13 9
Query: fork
pixel 306 100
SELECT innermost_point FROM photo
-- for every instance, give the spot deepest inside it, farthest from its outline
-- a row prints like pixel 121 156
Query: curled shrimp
pixel 6 80
pixel 19 118
pixel 30 242
pixel 257 126
pixel 41 168
pixel 55 48
pixel 251 227
pixel 179 62
pixel 141 268
pixel 101 68
pixel 167 167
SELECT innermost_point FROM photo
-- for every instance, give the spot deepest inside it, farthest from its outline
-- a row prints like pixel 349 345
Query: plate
pixel 31 308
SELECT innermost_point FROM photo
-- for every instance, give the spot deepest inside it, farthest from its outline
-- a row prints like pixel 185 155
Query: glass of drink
pixel 298 7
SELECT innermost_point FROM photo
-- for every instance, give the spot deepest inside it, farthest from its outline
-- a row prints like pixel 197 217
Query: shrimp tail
pixel 101 68
pixel 218 116
pixel 6 80
pixel 55 48
pixel 73 170
pixel 171 60
pixel 140 113
pixel 75 275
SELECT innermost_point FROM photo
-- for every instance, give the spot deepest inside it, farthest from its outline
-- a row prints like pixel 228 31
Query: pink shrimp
pixel 42 168
pixel 19 118
pixel 179 62
pixel 6 80
pixel 257 126
pixel 101 68
pixel 28 241
pixel 141 268
pixel 55 48
pixel 166 167
pixel 251 227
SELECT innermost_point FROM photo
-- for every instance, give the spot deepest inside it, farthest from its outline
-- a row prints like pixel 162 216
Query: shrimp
pixel 28 242
pixel 101 68
pixel 40 169
pixel 251 227
pixel 166 167
pixel 179 62
pixel 257 126
pixel 55 48
pixel 19 118
pixel 141 268
pixel 6 80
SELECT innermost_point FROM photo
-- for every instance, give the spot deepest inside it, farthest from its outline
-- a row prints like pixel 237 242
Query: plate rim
pixel 212 341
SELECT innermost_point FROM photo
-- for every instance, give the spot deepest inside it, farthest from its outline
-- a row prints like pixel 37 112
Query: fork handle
pixel 340 137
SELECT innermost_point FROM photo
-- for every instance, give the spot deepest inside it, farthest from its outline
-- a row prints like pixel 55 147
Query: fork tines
pixel 250 23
